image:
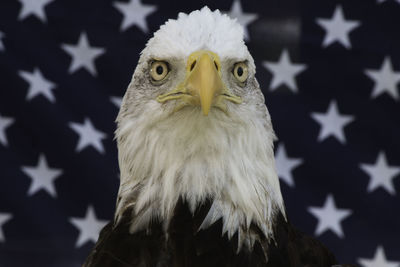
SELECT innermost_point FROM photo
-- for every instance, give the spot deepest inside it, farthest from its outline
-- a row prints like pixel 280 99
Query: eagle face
pixel 203 85
pixel 193 125
pixel 198 60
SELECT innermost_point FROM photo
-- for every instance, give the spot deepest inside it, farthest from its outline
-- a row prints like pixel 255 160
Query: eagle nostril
pixel 216 65
pixel 192 66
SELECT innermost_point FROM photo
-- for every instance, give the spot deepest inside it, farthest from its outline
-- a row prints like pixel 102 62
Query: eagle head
pixel 193 125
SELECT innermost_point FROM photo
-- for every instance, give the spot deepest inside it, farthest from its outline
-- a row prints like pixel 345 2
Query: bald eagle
pixel 198 181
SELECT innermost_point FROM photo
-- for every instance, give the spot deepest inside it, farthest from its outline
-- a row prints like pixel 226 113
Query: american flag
pixel 330 72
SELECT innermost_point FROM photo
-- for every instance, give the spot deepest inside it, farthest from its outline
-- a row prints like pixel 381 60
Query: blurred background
pixel 330 73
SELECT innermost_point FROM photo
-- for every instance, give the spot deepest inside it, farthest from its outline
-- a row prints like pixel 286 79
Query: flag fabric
pixel 330 73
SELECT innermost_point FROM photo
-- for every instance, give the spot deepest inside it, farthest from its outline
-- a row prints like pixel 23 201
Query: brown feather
pixel 186 246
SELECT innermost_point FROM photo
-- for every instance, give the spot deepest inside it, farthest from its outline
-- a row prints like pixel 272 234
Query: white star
pixel 89 227
pixel 379 260
pixel 337 28
pixel 4 217
pixel 285 165
pixel 5 122
pixel 1 42
pixel 34 7
pixel 284 71
pixel 135 13
pixel 38 85
pixel 116 100
pixel 329 217
pixel 83 55
pixel 385 79
pixel 332 123
pixel 88 135
pixel 42 177
pixel 243 18
pixel 381 174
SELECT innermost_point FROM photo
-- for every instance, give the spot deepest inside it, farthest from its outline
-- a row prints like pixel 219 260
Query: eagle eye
pixel 159 70
pixel 240 71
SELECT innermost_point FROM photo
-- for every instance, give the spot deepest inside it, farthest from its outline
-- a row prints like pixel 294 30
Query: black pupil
pixel 239 71
pixel 159 70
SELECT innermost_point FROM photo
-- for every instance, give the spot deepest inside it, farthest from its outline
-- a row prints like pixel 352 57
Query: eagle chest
pixel 182 245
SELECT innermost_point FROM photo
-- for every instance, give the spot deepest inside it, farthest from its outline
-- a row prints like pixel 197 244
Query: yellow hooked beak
pixel 203 84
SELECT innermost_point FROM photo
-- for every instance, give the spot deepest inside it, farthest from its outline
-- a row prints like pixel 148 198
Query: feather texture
pixel 187 246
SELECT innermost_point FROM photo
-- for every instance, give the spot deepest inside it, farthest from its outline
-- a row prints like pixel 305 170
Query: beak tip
pixel 205 112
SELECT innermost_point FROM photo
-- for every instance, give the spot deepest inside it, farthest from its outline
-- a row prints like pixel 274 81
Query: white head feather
pixel 198 30
pixel 226 158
